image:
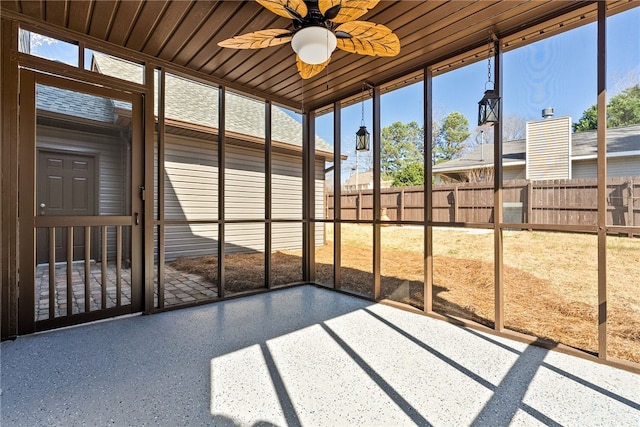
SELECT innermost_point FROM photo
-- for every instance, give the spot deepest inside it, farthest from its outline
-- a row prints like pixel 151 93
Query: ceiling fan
pixel 319 26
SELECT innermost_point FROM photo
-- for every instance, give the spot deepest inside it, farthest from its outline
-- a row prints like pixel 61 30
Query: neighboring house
pixel 550 151
pixel 363 181
pixel 190 162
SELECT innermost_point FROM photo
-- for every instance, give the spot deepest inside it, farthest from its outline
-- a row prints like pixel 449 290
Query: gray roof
pixel 360 177
pixel 76 104
pixel 197 103
pixel 619 140
pixel 365 178
pixel 482 156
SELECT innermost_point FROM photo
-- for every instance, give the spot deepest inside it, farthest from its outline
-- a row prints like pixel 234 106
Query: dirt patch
pixel 463 287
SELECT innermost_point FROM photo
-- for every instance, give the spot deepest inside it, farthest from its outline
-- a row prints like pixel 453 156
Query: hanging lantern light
pixel 362 135
pixel 489 105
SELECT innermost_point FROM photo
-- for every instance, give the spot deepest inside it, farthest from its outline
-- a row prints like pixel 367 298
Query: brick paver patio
pixel 180 288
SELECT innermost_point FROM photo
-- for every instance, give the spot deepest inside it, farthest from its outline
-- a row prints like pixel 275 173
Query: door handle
pixel 137 218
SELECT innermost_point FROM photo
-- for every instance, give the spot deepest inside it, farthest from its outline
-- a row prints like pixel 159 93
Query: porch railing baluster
pixel 87 269
pixel 104 267
pixel 69 271
pixel 118 265
pixel 52 272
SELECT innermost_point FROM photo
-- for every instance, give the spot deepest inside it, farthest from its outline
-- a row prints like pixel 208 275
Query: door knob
pixel 42 205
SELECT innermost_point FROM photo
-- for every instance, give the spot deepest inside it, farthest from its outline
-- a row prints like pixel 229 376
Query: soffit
pixel 441 34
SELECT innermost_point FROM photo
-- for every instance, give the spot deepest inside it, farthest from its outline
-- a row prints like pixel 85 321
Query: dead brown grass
pixel 550 279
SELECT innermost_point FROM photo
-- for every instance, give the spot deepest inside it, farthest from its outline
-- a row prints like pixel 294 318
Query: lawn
pixel 550 279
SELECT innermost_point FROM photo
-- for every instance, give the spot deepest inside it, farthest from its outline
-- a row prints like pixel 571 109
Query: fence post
pixel 358 206
pixel 401 210
pixel 455 204
pixel 529 203
pixel 630 206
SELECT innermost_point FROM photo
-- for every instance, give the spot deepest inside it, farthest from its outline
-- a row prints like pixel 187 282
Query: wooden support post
pixel 401 209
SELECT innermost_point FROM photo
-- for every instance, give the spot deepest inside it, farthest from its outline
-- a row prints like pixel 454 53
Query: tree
pixel 401 144
pixel 622 110
pixel 450 142
pixel 588 121
pixel 410 174
pixel 514 127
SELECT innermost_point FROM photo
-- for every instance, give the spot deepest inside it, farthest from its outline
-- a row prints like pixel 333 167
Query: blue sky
pixel 558 72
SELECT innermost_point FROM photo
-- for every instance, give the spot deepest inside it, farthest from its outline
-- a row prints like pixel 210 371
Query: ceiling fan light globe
pixel 314 45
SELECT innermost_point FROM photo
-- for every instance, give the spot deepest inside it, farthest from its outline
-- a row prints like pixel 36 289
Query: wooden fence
pixel 570 202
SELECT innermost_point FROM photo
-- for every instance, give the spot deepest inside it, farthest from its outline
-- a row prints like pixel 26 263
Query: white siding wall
pixel 191 179
pixel 286 187
pixel 549 149
pixel 584 169
pixel 616 166
pixel 191 186
pixel 244 183
pixel 623 166
pixel 516 172
pixel 191 193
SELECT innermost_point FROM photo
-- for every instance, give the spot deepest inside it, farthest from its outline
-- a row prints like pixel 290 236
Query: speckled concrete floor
pixel 301 356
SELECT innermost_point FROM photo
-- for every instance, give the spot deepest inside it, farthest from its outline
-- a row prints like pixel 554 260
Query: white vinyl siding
pixel 286 236
pixel 584 169
pixel 549 149
pixel 286 187
pixel 616 167
pixel 191 179
pixel 190 240
pixel 191 194
pixel 516 172
pixel 244 237
pixel 623 166
pixel 244 183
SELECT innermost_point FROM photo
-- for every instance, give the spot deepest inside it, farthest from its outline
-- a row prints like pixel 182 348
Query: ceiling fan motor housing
pixel 314 45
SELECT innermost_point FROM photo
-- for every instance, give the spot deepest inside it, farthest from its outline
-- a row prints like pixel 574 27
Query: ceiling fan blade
pixel 341 11
pixel 368 38
pixel 292 9
pixel 309 70
pixel 258 39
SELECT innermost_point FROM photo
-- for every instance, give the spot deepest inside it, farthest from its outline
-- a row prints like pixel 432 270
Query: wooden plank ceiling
pixel 186 33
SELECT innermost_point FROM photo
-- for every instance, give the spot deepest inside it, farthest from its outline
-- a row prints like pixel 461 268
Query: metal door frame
pixel 29 221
